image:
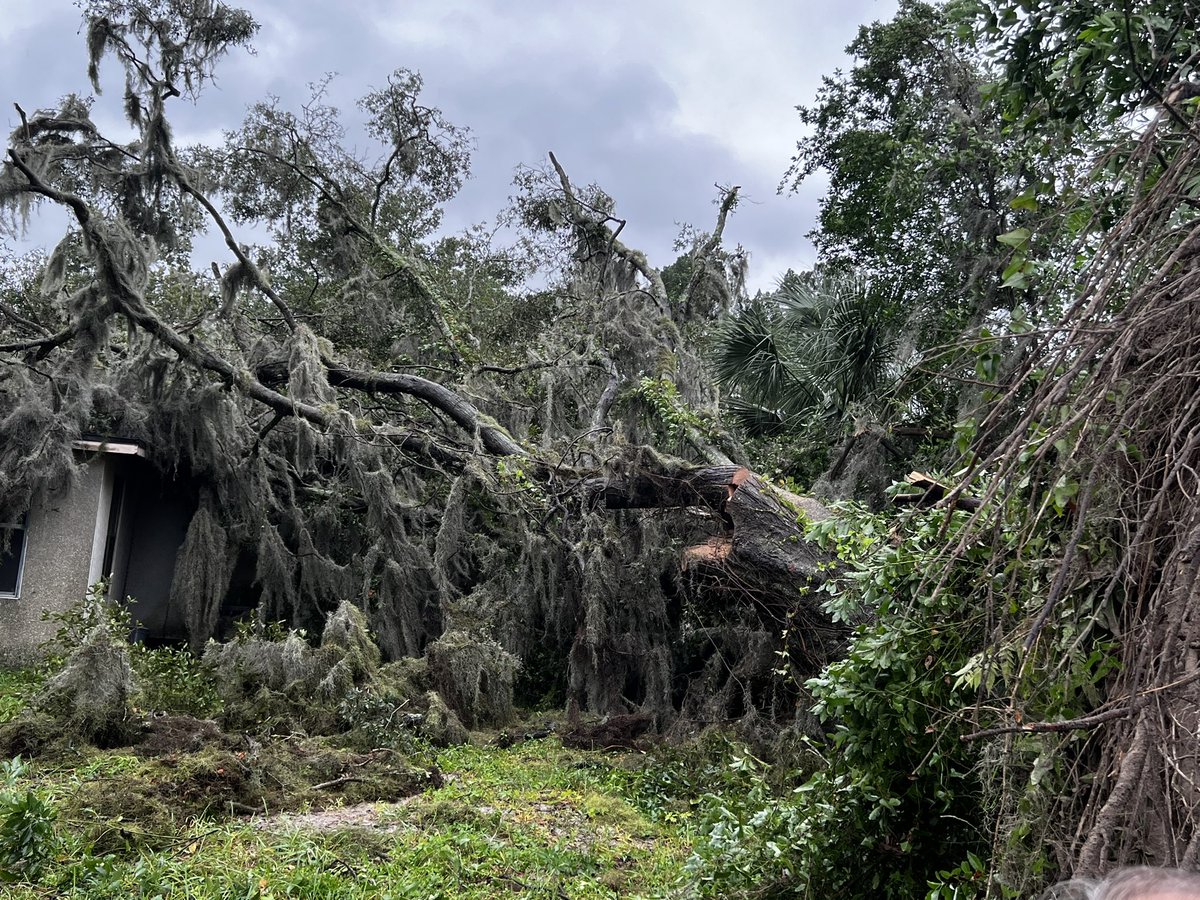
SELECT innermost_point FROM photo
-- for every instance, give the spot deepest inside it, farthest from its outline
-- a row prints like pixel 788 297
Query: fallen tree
pixel 367 412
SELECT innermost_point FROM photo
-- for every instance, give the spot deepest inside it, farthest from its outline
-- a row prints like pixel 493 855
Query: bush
pixel 167 679
pixel 896 811
pixel 171 679
pixel 27 837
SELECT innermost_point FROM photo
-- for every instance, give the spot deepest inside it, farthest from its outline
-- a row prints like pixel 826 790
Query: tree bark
pixel 763 527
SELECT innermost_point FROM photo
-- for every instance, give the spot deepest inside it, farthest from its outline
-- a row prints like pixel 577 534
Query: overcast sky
pixel 656 100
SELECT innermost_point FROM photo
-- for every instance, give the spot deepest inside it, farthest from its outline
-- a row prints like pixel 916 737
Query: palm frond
pixel 820 344
pixel 748 355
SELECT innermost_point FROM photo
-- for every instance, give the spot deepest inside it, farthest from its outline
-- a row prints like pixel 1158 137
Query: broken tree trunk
pixel 753 607
pixel 760 551
pixel 763 525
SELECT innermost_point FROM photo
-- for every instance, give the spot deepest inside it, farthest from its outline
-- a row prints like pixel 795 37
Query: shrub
pixel 167 679
pixel 27 837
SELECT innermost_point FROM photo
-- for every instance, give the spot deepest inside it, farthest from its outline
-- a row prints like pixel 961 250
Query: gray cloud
pixel 654 101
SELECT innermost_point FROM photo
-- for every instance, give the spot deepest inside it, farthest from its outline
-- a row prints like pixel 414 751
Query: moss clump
pixel 404 679
pixel 288 685
pixel 348 652
pixel 249 663
pixel 475 676
pixel 441 727
pixel 91 696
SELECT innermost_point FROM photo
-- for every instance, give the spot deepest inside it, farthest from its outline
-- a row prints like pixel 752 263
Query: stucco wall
pixel 58 552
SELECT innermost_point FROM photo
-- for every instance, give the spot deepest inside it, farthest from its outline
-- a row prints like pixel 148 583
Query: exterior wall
pixel 58 559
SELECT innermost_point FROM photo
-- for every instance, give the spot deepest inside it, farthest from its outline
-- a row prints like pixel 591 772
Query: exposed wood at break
pixel 763 526
pixel 712 552
pixel 768 535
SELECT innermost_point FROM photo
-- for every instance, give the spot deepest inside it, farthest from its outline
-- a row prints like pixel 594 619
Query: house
pixel 121 522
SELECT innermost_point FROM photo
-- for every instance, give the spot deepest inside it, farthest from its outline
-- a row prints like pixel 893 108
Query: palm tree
pixel 816 348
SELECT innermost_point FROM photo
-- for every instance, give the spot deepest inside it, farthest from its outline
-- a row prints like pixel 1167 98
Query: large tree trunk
pixel 763 530
pixel 758 553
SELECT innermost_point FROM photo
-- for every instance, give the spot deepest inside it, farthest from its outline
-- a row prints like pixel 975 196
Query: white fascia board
pixel 122 448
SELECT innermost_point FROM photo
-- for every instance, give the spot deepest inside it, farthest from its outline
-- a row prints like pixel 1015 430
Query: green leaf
pixel 1025 200
pixel 1018 237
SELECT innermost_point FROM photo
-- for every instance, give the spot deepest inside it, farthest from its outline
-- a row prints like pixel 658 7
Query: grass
pixel 15 687
pixel 169 818
pixel 533 820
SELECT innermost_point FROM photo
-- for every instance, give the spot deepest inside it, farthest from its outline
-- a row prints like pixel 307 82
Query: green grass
pixel 534 820
pixel 15 687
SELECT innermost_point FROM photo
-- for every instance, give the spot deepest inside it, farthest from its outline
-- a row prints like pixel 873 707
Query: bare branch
pixel 635 258
pixel 9 311
pixel 728 201
pixel 256 276
pixel 43 345
pixel 1081 723
pixel 494 438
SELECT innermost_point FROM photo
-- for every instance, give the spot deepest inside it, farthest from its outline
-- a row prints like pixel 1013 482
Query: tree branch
pixel 11 312
pixel 43 345
pixel 1083 722
pixel 494 438
pixel 128 301
pixel 604 404
pixel 706 250
pixel 413 268
pixel 256 275
pixel 635 258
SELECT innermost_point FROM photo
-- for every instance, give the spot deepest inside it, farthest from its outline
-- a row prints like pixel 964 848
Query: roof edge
pixel 120 448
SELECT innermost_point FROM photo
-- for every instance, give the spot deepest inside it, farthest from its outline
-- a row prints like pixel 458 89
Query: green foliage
pixel 812 350
pixel 379 719
pixel 677 276
pixel 1076 64
pixel 172 679
pixel 16 687
pixel 919 173
pixel 900 781
pixel 27 836
pixel 168 679
pixel 795 461
pixel 671 414
pixel 745 838
pixel 899 798
pixel 902 805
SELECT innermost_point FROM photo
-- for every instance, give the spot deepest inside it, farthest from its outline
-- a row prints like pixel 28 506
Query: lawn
pixel 535 819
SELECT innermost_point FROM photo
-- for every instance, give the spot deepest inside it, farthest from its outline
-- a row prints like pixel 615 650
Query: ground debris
pixel 180 734
pixel 613 732
pixel 187 769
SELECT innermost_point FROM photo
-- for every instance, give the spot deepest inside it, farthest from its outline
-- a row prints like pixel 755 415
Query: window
pixel 12 557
